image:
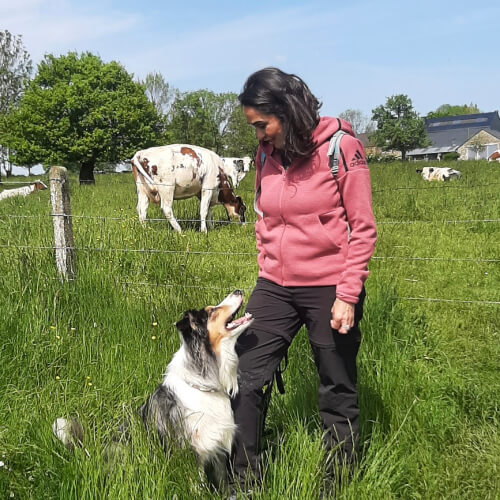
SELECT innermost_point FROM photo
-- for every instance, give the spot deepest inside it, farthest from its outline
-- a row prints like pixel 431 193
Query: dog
pixel 192 404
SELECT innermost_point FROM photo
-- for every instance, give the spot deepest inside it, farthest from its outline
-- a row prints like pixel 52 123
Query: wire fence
pixel 378 258
pixel 432 187
pixel 236 254
pixel 225 221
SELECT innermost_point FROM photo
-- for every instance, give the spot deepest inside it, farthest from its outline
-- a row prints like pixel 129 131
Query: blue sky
pixel 352 54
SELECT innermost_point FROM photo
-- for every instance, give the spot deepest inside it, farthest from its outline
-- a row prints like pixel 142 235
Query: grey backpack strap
pixel 257 191
pixel 334 152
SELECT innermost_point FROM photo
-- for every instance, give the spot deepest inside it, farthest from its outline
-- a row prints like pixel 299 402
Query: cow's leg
pixel 142 205
pixel 210 221
pixel 206 196
pixel 167 200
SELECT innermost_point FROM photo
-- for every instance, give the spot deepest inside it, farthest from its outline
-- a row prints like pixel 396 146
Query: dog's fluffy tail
pixel 69 431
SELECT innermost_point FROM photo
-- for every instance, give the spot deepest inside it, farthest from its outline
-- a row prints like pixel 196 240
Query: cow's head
pixel 234 205
pixel 426 172
pixel 39 185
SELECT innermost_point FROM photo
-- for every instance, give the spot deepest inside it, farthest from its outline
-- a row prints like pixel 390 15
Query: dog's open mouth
pixel 234 323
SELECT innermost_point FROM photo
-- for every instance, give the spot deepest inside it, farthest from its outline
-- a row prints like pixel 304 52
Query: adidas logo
pixel 357 160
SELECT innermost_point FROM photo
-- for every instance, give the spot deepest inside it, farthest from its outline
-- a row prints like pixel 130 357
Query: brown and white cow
pixel 178 171
pixel 495 156
pixel 23 191
pixel 236 168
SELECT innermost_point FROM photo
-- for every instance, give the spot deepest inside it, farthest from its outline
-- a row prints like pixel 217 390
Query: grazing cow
pixel 23 191
pixel 236 168
pixel 495 156
pixel 179 171
pixel 439 174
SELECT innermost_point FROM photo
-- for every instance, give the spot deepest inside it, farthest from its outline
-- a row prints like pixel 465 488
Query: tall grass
pixel 428 371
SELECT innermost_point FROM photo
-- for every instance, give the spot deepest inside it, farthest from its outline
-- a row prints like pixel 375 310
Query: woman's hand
pixel 342 316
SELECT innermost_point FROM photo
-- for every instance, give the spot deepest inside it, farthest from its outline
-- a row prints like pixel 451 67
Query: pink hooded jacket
pixel 302 231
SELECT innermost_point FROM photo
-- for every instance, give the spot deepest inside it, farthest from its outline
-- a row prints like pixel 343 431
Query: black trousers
pixel 279 313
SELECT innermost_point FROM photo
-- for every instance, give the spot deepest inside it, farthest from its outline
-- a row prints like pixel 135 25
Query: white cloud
pixel 57 26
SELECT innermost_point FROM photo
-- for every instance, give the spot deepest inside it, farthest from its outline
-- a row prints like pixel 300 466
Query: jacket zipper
pixel 283 184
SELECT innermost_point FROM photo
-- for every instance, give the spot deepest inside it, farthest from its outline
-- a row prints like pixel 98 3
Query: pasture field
pixel 429 379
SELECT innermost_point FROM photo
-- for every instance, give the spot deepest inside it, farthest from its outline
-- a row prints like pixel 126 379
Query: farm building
pixel 372 149
pixel 473 137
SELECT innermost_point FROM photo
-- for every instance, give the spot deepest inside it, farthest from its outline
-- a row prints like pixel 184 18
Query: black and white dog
pixel 193 402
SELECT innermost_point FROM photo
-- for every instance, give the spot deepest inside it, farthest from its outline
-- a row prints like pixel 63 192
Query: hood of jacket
pixel 327 126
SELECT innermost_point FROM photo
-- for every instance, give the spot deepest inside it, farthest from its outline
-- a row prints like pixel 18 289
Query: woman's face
pixel 268 128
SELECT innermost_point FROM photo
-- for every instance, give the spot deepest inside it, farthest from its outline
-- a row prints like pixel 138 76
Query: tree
pixel 398 126
pixel 202 118
pixel 477 144
pixel 456 110
pixel 15 71
pixel 160 93
pixel 360 122
pixel 79 111
pixel 240 139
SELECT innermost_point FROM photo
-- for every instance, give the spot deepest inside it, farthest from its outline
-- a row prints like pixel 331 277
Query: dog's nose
pixel 238 292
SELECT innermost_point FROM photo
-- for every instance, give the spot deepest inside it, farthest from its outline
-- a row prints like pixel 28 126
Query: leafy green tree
pixel 457 110
pixel 399 126
pixel 240 139
pixel 15 71
pixel 203 118
pixel 79 111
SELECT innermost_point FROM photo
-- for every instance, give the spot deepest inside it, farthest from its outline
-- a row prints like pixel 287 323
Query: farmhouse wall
pixel 482 136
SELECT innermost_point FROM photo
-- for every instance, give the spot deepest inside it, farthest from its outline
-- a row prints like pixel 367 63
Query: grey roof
pixel 365 139
pixel 431 151
pixel 476 120
pixel 453 137
pixel 455 130
pixel 457 137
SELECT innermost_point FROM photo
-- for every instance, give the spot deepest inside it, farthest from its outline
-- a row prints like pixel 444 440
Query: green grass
pixel 429 380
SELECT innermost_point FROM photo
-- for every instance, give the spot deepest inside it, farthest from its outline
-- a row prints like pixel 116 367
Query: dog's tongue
pixel 239 321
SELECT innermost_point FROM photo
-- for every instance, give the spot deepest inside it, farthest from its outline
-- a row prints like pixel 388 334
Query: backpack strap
pixel 334 151
pixel 257 191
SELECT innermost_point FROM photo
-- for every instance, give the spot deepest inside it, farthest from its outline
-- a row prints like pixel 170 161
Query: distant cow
pixel 439 174
pixel 179 171
pixel 23 191
pixel 236 168
pixel 495 156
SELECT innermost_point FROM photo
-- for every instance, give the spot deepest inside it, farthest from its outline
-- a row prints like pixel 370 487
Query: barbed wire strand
pixel 426 299
pixel 226 288
pixel 225 221
pixel 251 254
pixel 243 190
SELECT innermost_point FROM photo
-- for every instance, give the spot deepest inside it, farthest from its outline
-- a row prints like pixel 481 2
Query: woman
pixel 315 236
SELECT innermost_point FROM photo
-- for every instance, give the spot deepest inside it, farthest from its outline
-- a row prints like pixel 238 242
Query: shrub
pixel 450 156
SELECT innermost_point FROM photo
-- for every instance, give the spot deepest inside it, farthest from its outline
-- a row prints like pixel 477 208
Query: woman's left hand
pixel 342 316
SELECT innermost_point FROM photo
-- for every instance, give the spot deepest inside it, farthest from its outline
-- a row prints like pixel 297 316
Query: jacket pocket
pixel 333 228
pixel 271 232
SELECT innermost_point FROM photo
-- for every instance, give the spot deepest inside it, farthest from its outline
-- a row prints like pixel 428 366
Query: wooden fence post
pixel 63 224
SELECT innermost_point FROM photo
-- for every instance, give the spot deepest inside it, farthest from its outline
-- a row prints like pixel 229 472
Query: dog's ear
pixel 190 321
pixel 184 325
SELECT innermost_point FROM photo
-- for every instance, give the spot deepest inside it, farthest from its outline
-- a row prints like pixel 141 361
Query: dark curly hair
pixel 286 96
